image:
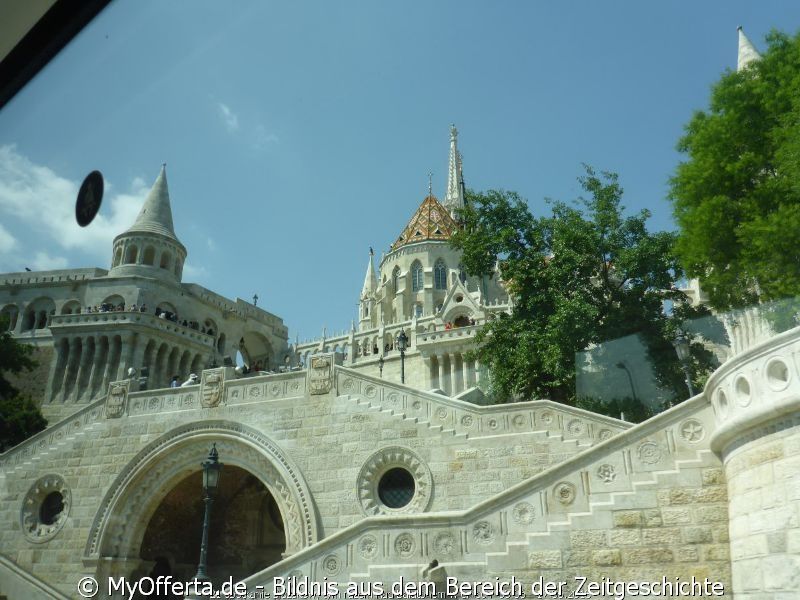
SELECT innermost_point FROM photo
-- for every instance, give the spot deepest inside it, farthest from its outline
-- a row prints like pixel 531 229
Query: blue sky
pixel 299 134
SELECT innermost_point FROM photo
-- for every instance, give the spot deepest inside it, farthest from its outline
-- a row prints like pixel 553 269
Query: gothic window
pixel 440 275
pixel 165 260
pixel 416 276
pixel 149 256
pixel 395 277
pixel 418 310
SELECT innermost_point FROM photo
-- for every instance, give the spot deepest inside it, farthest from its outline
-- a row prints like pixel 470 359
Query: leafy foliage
pixel 737 196
pixel 20 418
pixel 583 275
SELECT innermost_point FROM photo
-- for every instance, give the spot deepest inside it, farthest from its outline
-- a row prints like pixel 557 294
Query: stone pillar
pixel 453 382
pixel 98 366
pixel 112 363
pixel 71 370
pixel 441 375
pixel 128 348
pixel 55 380
pixel 756 401
pixel 84 368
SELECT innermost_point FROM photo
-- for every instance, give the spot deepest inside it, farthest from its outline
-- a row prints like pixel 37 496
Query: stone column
pixel 756 400
pixel 71 370
pixel 84 368
pixel 441 375
pixel 453 381
pixel 55 380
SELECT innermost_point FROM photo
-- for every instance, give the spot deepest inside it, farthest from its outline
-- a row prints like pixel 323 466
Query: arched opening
pixel 149 256
pixel 9 316
pixel 72 307
pixel 440 275
pixel 417 276
pixel 131 254
pixel 166 259
pixel 117 257
pixel 246 530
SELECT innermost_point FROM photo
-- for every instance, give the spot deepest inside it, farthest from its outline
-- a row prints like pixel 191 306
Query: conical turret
pixel 747 52
pixel 150 247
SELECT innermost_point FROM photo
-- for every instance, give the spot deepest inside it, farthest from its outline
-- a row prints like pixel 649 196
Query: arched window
pixel 418 309
pixel 416 276
pixel 130 257
pixel 440 275
pixel 166 259
pixel 149 256
pixel 395 277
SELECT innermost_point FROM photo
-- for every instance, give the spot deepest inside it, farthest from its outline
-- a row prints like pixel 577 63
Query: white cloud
pixel 43 204
pixel 263 137
pixel 228 117
pixel 7 241
pixel 44 262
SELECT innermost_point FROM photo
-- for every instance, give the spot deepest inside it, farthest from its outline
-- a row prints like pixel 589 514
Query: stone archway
pixel 119 527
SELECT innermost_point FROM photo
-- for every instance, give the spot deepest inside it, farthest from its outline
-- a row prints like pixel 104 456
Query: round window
pixel 51 508
pixel 396 488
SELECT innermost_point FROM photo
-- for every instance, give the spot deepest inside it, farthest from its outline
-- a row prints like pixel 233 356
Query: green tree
pixel 581 276
pixel 736 198
pixel 20 418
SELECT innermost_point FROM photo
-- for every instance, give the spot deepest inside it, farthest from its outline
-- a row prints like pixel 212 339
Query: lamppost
pixel 681 344
pixel 211 472
pixel 624 367
pixel 402 344
pixel 380 366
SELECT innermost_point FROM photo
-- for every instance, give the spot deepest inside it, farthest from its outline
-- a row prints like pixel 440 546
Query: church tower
pixel 454 197
pixel 150 248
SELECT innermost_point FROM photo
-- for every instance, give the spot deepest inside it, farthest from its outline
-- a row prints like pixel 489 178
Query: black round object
pixel 89 198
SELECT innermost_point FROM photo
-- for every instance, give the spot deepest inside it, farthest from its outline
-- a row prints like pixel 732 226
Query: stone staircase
pixel 53 438
pixel 546 508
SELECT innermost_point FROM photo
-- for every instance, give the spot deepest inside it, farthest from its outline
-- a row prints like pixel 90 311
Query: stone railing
pixel 467 418
pixel 121 318
pixel 756 386
pixel 53 435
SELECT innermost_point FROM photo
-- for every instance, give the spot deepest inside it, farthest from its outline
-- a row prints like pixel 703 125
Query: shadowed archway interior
pixel 246 533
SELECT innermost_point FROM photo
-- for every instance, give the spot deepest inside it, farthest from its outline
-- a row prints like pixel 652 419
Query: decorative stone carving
pixel 524 513
pixel 492 423
pixel 275 389
pixel 211 389
pixel 575 427
pixel 605 434
pixel 692 431
pixel 404 545
pixel 154 403
pixel 564 493
pixel 444 543
pixel 45 508
pixel 649 452
pixel 348 385
pixel 370 391
pixel 377 465
pixel 547 418
pixel 606 473
pixel 441 412
pixel 117 399
pixel 331 565
pixel 742 388
pixel 368 546
pixel 483 532
pixel 467 420
pixel 518 420
pixel 417 405
pixel 392 398
pixel 320 375
pixel 255 391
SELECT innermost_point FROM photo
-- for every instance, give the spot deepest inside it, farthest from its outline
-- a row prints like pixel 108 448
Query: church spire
pixel 454 197
pixel 156 213
pixel 370 281
pixel 747 52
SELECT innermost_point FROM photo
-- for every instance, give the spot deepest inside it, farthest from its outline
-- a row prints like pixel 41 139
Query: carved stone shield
pixel 320 375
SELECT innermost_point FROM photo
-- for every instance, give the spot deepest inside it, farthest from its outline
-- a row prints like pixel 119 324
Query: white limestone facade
pixel 97 323
pixel 422 289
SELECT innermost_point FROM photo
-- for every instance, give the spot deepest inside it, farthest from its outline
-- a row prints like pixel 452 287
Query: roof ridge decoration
pixel 432 221
pixel 156 213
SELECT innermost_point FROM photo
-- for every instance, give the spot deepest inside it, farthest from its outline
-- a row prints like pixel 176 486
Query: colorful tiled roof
pixel 432 221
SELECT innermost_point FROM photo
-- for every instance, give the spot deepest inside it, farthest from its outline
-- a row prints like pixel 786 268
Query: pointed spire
pixel 370 281
pixel 454 198
pixel 156 213
pixel 747 52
